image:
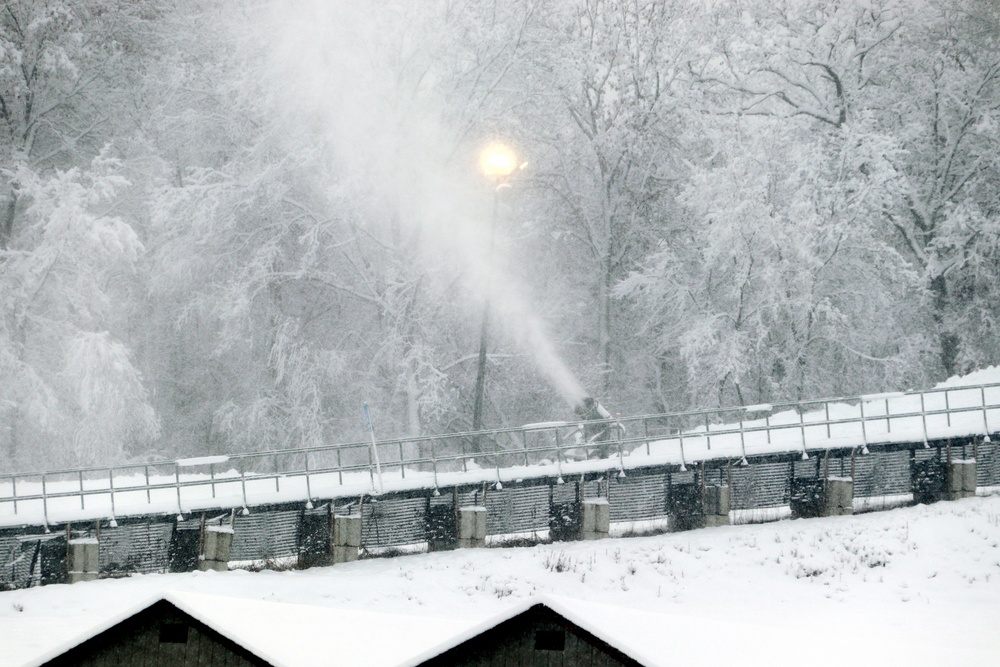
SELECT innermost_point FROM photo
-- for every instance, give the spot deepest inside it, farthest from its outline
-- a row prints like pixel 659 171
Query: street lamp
pixel 497 162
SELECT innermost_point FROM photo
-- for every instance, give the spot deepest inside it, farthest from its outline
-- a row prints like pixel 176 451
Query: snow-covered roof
pixel 661 640
pixel 302 635
pixel 299 635
pixel 562 606
pixel 106 623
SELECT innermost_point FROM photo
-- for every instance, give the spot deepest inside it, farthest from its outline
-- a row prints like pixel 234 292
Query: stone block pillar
pixel 471 527
pixel 216 547
pixel 695 507
pixel 595 518
pixel 83 559
pixel 816 497
pixel 838 497
pixel 315 532
pixel 961 479
pixel 716 502
pixel 346 538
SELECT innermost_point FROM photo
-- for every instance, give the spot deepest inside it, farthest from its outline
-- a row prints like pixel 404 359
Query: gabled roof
pixel 286 635
pixel 546 610
pixel 290 634
pixel 128 631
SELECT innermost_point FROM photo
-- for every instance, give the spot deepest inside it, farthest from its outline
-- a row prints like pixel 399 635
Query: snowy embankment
pixel 960 407
pixel 913 586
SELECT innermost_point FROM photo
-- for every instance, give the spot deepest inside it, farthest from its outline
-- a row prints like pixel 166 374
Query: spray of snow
pixel 360 88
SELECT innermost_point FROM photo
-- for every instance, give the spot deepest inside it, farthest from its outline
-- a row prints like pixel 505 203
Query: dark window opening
pixel 550 640
pixel 173 633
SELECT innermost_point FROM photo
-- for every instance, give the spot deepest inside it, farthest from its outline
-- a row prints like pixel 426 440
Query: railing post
pixel 45 501
pixel 277 485
pixel 708 436
pixel 524 441
pixel 82 495
pixel 149 497
pixel 864 431
pixel 986 423
pixel 243 485
pixel 743 443
pixel 309 494
pixel 558 453
pixel 947 408
pixel 340 468
pixel 829 434
pixel 680 438
pixel 923 418
pixel 402 460
pixel 645 433
pixel 888 421
pixel 621 452
pixel 177 484
pixel 111 489
pixel 371 467
pixel 802 430
pixel 434 463
pixel 13 491
pixel 211 475
pixel 496 458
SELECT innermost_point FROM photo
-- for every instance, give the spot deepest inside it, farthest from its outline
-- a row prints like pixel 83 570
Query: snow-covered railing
pixel 549 449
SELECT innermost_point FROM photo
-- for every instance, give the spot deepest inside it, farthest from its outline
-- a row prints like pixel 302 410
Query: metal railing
pixel 534 450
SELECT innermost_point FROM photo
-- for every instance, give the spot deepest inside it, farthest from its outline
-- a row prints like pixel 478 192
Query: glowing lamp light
pixel 497 160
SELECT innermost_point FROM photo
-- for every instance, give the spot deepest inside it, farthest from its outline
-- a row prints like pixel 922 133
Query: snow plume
pixel 529 331
pixel 549 362
pixel 389 97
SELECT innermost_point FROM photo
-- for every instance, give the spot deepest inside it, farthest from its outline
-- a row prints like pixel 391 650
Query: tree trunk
pixel 948 340
pixel 7 224
pixel 605 327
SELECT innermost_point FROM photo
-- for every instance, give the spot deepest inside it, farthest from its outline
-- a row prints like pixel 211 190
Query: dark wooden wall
pixel 536 638
pixel 160 636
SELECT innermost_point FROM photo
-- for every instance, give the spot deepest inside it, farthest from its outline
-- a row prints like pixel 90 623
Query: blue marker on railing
pixel 378 466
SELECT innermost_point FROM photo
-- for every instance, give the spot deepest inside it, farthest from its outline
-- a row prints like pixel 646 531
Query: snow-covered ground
pixel 912 586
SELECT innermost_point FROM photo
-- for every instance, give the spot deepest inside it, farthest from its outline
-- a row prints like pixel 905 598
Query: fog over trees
pixel 226 225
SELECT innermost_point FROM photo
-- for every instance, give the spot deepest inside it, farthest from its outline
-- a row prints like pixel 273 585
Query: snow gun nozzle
pixel 590 409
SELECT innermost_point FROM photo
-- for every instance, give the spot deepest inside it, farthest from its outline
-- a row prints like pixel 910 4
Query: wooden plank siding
pixel 533 639
pixel 159 636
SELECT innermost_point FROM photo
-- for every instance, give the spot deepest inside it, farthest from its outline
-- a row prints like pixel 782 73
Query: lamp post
pixel 497 162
